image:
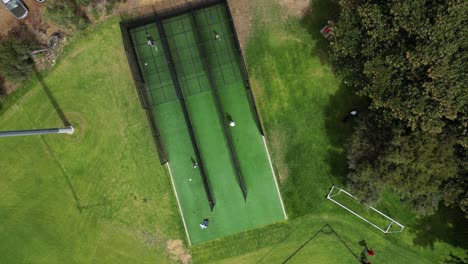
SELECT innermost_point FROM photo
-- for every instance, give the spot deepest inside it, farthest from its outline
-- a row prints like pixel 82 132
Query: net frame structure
pixel 217 100
pixel 143 92
pixel 187 117
pixel 386 231
pixel 160 11
pixel 184 68
pixel 156 69
pixel 157 17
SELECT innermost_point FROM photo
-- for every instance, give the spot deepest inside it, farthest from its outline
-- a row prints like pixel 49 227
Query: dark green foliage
pixel 65 13
pixel 409 59
pixel 15 61
pixel 72 14
pixel 454 259
pixel 414 164
pixel 95 6
pixel 2 93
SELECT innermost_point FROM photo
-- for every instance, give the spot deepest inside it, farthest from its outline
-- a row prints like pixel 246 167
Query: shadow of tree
pixel 454 259
pixel 2 90
pixel 447 224
pixel 315 18
pixel 339 131
pixel 344 100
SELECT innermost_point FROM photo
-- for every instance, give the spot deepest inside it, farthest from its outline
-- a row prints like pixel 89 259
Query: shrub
pixel 65 13
pixel 16 63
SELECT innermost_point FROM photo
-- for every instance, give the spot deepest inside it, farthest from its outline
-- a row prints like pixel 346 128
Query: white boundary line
pixel 274 177
pixel 178 203
pixel 392 221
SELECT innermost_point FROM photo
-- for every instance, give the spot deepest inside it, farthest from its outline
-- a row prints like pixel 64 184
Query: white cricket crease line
pixel 178 203
pixel 274 177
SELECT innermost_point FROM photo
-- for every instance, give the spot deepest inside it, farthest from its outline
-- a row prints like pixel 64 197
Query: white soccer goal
pixel 334 191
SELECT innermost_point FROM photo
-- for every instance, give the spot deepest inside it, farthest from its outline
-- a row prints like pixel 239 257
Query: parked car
pixel 16 7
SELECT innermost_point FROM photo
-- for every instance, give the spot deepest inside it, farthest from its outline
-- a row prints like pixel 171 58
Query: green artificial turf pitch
pixel 231 214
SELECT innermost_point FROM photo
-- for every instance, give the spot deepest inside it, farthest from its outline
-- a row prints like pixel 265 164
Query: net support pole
pixel 217 101
pixel 175 79
pixel 143 92
pixel 34 132
pixel 250 97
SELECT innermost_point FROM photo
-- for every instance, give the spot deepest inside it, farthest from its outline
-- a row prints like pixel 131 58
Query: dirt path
pixel 295 8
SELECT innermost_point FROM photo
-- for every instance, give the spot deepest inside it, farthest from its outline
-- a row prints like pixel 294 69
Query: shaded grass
pixel 292 99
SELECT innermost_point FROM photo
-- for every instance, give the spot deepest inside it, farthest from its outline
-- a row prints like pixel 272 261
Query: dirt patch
pixel 176 250
pixel 295 8
pixel 242 15
pixel 150 239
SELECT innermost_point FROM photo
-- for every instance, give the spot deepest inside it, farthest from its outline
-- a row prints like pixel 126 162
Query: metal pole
pixel 67 130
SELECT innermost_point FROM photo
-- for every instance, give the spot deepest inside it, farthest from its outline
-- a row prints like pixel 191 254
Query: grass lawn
pixel 100 196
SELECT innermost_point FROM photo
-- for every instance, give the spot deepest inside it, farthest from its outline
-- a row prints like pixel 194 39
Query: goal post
pixel 335 191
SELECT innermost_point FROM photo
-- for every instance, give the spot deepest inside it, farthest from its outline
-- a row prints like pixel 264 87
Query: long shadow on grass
pixel 339 128
pixel 328 230
pixel 2 90
pixel 65 122
pixel 447 224
pixel 51 97
pixel 343 101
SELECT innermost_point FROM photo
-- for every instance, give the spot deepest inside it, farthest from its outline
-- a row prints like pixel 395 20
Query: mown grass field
pixel 100 196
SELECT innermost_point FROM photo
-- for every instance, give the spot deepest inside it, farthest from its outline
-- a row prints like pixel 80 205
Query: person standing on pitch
pixel 229 120
pixel 205 223
pixel 194 164
pixel 217 36
pixel 353 113
pixel 369 252
pixel 150 41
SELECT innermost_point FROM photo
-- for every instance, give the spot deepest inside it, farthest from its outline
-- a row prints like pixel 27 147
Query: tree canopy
pixel 409 58
pixel 15 61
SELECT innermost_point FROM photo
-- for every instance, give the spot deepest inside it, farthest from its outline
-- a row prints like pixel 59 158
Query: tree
pixel 16 64
pixel 409 59
pixel 454 259
pixel 66 13
pixel 413 164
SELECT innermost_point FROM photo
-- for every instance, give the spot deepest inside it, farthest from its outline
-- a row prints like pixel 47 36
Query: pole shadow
pixel 51 97
pixel 2 91
pixel 328 230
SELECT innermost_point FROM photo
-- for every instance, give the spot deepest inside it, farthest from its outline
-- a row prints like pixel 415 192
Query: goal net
pixel 368 214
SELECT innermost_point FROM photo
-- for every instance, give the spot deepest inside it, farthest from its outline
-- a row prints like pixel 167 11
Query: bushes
pixel 65 13
pixel 98 7
pixel 16 63
pixel 408 58
pixel 72 14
